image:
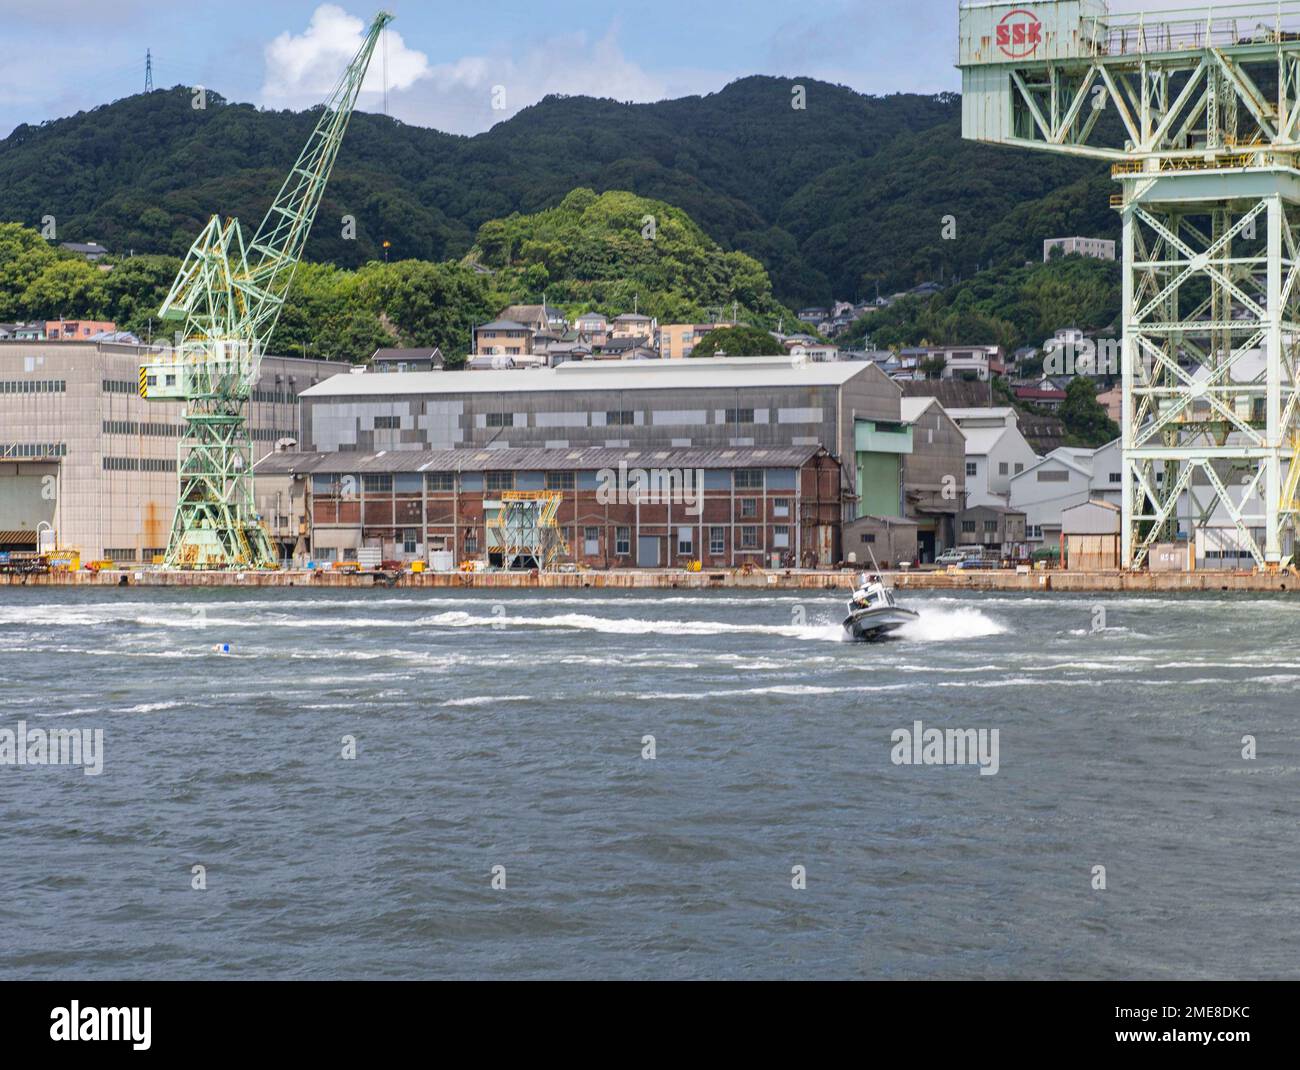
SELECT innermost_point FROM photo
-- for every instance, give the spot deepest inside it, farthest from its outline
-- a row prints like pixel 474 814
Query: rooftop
pixel 517 460
pixel 697 374
pixel 981 440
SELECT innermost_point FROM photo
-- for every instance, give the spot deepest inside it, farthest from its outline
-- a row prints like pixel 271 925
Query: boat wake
pixel 940 625
pixel 630 625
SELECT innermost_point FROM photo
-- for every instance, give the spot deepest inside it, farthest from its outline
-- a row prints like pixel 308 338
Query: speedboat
pixel 873 613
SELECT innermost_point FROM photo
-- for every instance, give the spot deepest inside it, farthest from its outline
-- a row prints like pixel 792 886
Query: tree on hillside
pixel 737 342
pixel 1084 416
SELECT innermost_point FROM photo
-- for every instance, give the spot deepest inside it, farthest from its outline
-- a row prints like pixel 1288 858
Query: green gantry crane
pixel 229 294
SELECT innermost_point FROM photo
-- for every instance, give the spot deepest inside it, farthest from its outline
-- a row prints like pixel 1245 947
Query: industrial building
pixel 86 464
pixel 609 507
pixel 853 409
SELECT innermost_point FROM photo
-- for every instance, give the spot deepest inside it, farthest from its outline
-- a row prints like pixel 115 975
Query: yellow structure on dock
pixel 526 530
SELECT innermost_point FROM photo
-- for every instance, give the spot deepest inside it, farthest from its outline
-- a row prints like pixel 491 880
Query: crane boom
pixel 229 294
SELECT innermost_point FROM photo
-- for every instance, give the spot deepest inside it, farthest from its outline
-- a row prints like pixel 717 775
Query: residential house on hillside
pixel 1050 398
pixel 1100 248
pixel 616 348
pixel 677 340
pixel 975 363
pixel 1112 400
pixel 816 351
pixel 77 330
pixel 634 325
pixel 503 337
pixel 91 250
pixel 537 318
pixel 425 359
pixel 592 327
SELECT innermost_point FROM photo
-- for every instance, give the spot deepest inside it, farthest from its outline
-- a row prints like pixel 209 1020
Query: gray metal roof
pixel 397 353
pixel 691 374
pixel 523 459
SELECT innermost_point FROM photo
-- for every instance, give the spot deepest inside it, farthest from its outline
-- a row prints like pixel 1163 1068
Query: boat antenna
pixel 874 567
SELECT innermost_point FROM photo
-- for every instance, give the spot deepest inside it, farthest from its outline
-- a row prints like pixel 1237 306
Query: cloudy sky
pixel 445 60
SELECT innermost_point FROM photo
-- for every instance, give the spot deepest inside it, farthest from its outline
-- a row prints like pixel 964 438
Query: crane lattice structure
pixel 1198 111
pixel 229 293
pixel 527 533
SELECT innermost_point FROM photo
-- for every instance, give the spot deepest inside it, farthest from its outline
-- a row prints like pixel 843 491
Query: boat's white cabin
pixel 871 593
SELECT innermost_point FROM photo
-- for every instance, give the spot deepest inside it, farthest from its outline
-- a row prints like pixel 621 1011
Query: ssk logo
pixel 1019 33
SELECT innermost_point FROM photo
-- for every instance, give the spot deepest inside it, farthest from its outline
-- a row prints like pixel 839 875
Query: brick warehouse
pixel 896 465
pixel 780 506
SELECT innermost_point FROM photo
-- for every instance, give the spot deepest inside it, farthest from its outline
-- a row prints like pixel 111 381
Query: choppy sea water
pixel 506 729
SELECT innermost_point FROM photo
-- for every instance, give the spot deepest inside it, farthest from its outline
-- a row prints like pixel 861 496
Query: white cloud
pixel 305 67
pixel 459 95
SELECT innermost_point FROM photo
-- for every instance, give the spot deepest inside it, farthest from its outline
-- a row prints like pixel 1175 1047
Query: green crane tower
pixel 229 293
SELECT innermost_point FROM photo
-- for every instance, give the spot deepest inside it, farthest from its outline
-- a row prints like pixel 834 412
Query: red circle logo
pixel 1019 33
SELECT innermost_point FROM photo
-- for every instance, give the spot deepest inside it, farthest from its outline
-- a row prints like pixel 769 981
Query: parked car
pixel 951 556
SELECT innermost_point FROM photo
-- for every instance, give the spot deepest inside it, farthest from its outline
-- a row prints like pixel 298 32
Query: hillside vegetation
pixel 592 252
pixel 836 199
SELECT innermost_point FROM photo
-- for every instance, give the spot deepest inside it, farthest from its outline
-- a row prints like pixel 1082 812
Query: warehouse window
pixel 971 468
pixel 749 507
pixel 500 419
pixel 748 479
pixel 623 541
pixel 560 481
pixel 685 541
pixel 781 537
pixel 968 527
pixel 868 536
pixel 443 481
pixel 620 418
pixel 591 541
pixel 781 507
pixel 749 537
pixel 990 527
pixel 408 541
pixel 377 484
pixel 740 416
pixel 717 541
pixel 388 423
pixel 499 481
pixel 1053 475
pixel 471 541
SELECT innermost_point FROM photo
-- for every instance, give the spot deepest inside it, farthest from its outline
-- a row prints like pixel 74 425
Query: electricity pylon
pixel 229 294
pixel 1198 111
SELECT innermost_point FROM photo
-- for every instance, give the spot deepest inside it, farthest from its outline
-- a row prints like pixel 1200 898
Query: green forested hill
pixel 592 251
pixel 833 199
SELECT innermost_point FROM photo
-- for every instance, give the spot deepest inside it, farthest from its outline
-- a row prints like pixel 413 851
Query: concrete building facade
pixel 91 464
